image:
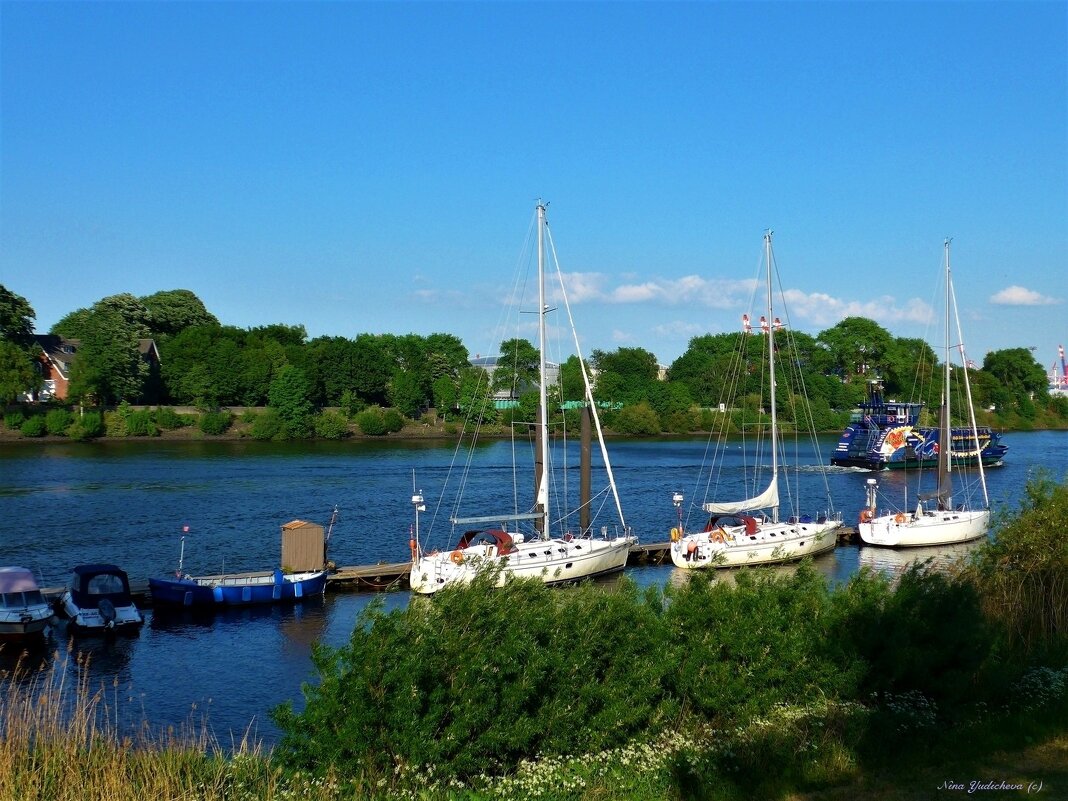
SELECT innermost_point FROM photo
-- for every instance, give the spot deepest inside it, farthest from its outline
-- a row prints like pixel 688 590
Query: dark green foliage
pixel 636 420
pixel 290 397
pixel 14 419
pixel 372 422
pixel 18 371
pixel 405 393
pixel 267 425
pixel 1022 575
pixel 168 419
pixel 927 636
pixel 393 420
pixel 34 426
pixel 57 421
pixel 351 404
pixel 331 425
pixel 743 649
pixel 462 684
pixel 16 318
pixel 172 311
pixel 88 425
pixel 141 424
pixel 215 423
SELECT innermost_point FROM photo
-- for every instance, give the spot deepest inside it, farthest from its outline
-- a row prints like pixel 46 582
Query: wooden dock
pixel 389 576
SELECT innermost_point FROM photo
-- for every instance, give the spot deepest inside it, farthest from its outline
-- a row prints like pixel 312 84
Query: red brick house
pixel 57 356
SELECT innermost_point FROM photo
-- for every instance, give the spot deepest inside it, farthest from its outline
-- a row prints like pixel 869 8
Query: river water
pixel 127 503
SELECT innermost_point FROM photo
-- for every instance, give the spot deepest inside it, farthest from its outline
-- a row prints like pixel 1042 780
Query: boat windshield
pixel 20 600
pixel 105 584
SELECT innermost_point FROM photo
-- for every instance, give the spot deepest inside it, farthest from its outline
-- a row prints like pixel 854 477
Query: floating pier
pixel 389 576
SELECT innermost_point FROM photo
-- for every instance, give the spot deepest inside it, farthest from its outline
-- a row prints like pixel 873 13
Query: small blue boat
pixel 236 589
pixel 303 547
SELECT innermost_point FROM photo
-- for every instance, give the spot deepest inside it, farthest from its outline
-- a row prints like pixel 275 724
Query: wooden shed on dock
pixel 303 547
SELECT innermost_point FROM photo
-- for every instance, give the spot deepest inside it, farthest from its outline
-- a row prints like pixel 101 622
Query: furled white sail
pixel 768 499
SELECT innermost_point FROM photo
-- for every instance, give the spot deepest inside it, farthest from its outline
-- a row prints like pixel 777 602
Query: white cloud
pixel 677 329
pixel 1021 296
pixel 823 309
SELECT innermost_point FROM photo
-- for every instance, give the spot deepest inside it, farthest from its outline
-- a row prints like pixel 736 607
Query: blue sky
pixel 372 167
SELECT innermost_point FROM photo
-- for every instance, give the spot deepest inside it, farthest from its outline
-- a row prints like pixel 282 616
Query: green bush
pixel 267 425
pixel 115 424
pixel 743 649
pixel 393 419
pixel 141 424
pixel 331 425
pixel 636 420
pixel 89 425
pixel 57 421
pixel 1022 575
pixel 583 672
pixel 168 419
pixel 215 423
pixel 34 426
pixel 14 420
pixel 372 422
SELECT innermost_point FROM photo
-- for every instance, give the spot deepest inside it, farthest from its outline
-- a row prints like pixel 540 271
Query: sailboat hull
pixel 928 528
pixel 772 544
pixel 554 561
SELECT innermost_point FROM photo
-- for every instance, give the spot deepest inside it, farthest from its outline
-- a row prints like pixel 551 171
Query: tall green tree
pixel 517 367
pixel 16 318
pixel 1021 376
pixel 373 368
pixel 290 397
pixel 705 366
pixel 856 346
pixel 18 354
pixel 17 372
pixel 625 375
pixel 173 310
pixel 405 393
pixel 108 367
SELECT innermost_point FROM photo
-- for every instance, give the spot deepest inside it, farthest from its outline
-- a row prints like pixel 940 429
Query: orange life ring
pixel 415 549
pixel 899 517
pixel 457 557
pixel 718 535
pixel 866 515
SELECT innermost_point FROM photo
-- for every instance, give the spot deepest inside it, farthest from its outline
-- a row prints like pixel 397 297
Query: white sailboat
pixel 749 531
pixel 939 522
pixel 569 557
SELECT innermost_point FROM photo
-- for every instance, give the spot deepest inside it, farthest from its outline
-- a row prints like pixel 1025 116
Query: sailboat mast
pixel 945 435
pixel 771 376
pixel 543 404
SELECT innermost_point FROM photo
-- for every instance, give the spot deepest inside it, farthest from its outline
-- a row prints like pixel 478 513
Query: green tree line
pixel 208 364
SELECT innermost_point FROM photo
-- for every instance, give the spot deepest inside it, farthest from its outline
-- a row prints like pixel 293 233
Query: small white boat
pixel 940 521
pixel 571 555
pixel 24 612
pixel 98 601
pixel 740 532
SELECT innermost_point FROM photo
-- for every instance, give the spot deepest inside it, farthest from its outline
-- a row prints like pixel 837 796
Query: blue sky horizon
pixel 372 167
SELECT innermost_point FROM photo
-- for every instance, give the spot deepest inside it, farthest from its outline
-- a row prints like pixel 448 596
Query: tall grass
pixel 62 740
pixel 1022 574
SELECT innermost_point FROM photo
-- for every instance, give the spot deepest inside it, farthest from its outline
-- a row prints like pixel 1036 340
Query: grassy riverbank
pixel 762 687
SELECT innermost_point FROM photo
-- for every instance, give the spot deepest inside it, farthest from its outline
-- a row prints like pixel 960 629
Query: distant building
pixel 55 360
pixel 505 397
